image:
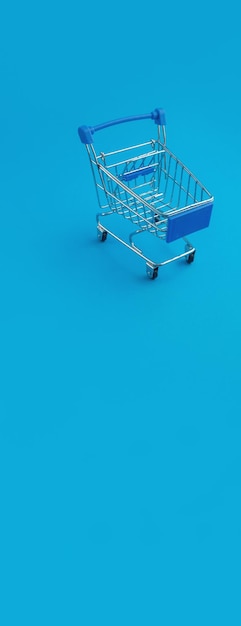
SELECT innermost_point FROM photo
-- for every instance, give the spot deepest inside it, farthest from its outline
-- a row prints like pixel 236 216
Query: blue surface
pixel 188 222
pixel 120 397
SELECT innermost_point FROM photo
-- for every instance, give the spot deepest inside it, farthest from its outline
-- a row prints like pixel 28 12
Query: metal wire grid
pixel 170 186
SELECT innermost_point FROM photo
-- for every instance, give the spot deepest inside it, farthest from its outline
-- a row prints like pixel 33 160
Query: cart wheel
pixel 190 258
pixel 102 235
pixel 152 272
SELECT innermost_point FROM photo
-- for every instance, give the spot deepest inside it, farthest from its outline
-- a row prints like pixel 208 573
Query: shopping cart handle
pixel 86 132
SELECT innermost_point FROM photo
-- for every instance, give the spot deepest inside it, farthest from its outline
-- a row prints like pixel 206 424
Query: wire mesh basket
pixel 151 188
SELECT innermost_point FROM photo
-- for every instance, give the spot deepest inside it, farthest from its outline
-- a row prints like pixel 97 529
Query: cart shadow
pixel 166 274
pixel 84 256
pixel 73 249
pixel 106 259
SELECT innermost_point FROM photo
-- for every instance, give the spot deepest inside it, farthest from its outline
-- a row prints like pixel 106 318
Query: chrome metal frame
pixel 167 187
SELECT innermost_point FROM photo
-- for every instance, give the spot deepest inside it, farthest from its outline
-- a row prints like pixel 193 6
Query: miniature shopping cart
pixel 151 188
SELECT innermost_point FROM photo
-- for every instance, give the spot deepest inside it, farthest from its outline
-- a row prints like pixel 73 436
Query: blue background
pixel 120 397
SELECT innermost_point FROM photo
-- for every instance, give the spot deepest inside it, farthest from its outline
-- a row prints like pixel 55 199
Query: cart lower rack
pixel 151 188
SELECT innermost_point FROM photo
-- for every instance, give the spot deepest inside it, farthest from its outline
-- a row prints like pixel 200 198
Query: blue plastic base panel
pixel 182 224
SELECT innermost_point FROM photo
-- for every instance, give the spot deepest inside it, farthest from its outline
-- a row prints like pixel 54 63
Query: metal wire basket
pixel 149 186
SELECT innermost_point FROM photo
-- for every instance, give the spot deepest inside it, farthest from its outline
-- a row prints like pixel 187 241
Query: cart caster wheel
pixel 152 272
pixel 102 235
pixel 190 258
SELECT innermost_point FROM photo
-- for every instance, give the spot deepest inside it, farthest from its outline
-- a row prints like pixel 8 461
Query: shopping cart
pixel 149 186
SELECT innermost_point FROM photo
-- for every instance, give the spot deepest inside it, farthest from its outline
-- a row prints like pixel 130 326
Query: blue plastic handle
pixel 86 132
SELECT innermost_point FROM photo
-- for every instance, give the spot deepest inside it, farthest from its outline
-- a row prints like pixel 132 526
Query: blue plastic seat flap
pixel 186 222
